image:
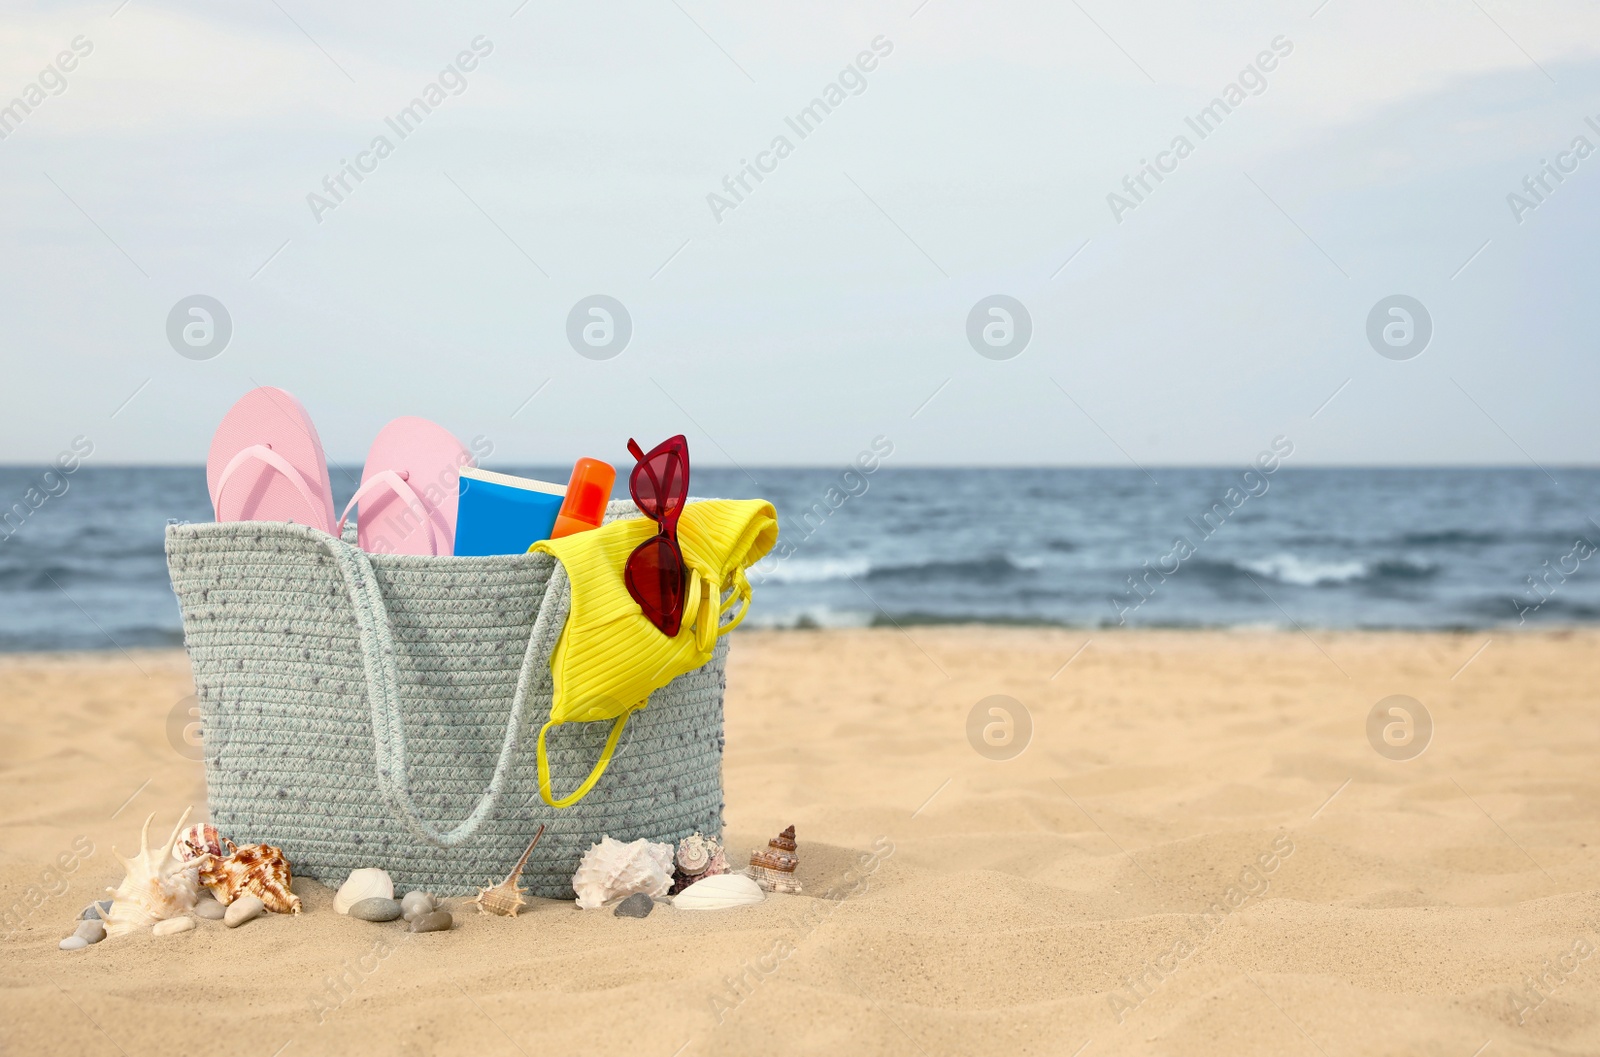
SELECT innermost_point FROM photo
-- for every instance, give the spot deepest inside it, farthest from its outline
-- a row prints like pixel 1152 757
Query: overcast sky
pixel 972 152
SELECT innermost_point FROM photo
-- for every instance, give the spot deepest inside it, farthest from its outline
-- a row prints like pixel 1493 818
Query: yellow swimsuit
pixel 610 657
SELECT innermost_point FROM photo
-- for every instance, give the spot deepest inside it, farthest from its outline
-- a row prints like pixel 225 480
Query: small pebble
pixel 91 930
pixel 210 909
pixel 172 926
pixel 73 943
pixel 637 905
pixel 243 909
pixel 416 904
pixel 433 921
pixel 375 908
pixel 96 910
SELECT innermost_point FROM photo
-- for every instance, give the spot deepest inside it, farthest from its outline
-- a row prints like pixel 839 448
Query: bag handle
pixel 383 691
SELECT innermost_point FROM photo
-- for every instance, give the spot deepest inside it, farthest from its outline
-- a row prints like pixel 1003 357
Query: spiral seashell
pixel 773 869
pixel 198 840
pixel 698 856
pixel 694 854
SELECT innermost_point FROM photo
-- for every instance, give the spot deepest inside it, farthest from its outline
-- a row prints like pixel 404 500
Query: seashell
pixel 773 869
pixel 257 869
pixel 505 898
pixel 158 884
pixel 198 840
pixel 362 884
pixel 720 892
pixel 612 869
pixel 698 856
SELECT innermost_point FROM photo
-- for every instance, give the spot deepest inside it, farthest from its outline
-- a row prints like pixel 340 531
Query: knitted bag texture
pixel 379 710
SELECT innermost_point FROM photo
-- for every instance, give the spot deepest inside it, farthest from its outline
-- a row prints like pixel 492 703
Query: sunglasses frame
pixel 669 506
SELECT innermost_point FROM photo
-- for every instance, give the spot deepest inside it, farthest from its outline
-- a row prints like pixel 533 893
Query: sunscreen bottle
pixel 588 491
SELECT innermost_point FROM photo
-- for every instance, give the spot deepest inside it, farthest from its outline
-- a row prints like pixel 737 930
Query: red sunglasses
pixel 655 571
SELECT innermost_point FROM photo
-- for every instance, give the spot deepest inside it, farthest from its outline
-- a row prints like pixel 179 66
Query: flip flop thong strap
pixel 286 470
pixel 395 483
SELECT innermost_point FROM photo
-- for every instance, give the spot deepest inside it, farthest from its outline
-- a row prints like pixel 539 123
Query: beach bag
pixel 381 710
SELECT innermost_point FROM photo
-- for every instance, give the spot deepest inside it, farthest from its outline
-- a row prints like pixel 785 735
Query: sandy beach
pixel 1198 851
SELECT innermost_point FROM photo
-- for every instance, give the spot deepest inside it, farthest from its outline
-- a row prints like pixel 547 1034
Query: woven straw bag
pixel 372 710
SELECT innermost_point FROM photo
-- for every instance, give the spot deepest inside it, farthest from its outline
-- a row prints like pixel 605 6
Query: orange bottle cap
pixel 588 491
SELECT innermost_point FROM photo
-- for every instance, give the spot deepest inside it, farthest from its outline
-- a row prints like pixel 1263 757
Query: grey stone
pixel 97 910
pixel 433 921
pixel 91 930
pixel 637 905
pixel 374 908
pixel 416 904
pixel 245 908
pixel 73 943
pixel 210 909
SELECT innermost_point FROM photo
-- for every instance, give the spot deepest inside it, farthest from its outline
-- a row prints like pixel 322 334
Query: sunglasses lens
pixel 654 577
pixel 660 482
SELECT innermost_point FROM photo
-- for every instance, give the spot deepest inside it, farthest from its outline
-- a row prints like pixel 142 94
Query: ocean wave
pixel 822 570
pixel 984 568
pixel 809 619
pixel 1295 571
pixel 808 570
pixel 1450 538
pixel 1303 572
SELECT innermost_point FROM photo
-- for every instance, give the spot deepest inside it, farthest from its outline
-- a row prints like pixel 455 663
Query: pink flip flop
pixel 266 463
pixel 409 490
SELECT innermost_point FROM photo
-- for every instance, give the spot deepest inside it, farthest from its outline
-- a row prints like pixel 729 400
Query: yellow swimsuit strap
pixel 594 775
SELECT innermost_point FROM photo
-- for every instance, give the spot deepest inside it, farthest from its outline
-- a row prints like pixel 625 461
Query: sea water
pixel 1307 547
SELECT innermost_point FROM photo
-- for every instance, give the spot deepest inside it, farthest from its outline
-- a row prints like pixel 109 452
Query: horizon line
pixel 899 465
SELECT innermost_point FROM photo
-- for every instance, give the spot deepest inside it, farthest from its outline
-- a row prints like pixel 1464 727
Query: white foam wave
pixel 807 570
pixel 1301 572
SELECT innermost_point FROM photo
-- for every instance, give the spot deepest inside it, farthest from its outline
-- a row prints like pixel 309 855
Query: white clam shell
pixel 720 892
pixel 362 884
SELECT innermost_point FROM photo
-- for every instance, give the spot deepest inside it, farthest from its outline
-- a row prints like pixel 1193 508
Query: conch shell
pixel 259 869
pixel 698 856
pixel 158 884
pixel 612 869
pixel 773 869
pixel 505 898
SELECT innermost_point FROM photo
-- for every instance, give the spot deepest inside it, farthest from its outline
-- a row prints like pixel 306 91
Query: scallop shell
pixel 773 869
pixel 505 898
pixel 720 892
pixel 612 869
pixel 158 885
pixel 259 869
